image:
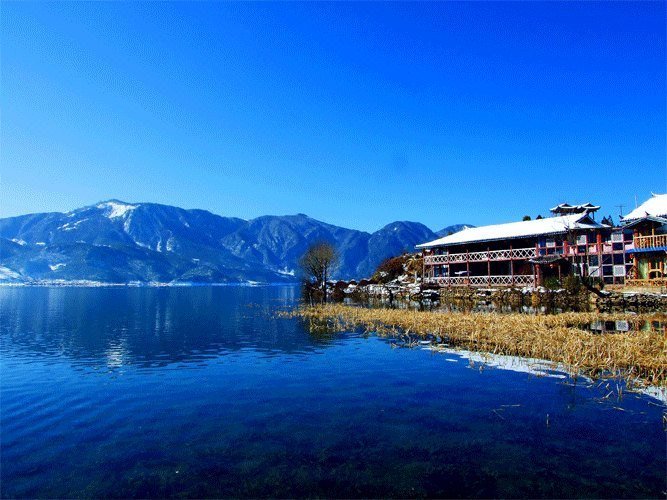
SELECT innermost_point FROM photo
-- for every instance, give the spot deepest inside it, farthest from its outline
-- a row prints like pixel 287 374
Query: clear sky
pixel 358 114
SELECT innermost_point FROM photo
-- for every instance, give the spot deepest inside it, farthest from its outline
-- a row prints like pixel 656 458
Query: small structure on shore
pixel 526 253
pixel 648 253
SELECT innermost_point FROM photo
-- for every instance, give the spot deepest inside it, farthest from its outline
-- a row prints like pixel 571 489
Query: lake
pixel 204 391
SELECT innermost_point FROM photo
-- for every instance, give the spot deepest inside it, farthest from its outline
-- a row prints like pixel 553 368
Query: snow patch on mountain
pixel 115 209
pixel 127 222
pixel 69 226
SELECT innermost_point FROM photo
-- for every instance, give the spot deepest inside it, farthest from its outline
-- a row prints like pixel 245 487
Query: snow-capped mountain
pixel 454 228
pixel 119 242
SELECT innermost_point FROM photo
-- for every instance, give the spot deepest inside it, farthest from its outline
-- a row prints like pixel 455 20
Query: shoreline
pixel 533 366
pixel 638 356
pixel 102 284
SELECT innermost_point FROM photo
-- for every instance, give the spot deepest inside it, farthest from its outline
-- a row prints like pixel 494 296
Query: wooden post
pixel 488 266
pixel 598 242
pixel 423 266
pixel 539 275
pixel 535 270
pixel 511 266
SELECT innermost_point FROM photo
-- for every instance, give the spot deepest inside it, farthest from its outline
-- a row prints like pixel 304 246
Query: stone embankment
pixel 505 299
pixel 632 301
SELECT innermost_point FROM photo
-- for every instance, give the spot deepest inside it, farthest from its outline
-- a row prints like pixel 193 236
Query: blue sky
pixel 358 114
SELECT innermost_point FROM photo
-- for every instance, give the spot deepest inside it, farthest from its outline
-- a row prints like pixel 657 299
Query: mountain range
pixel 118 242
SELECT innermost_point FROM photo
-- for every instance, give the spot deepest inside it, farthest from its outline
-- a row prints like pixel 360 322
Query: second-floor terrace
pixel 650 241
pixel 613 246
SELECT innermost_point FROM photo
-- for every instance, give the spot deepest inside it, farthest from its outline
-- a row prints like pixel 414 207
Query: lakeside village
pixel 568 261
pixel 599 277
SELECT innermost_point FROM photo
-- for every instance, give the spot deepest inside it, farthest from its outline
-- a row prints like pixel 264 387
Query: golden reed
pixel 639 356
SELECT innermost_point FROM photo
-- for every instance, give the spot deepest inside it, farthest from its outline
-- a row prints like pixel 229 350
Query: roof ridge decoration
pixel 566 208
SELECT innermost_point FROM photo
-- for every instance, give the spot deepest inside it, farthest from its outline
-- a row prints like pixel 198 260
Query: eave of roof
pixel 647 250
pixel 650 218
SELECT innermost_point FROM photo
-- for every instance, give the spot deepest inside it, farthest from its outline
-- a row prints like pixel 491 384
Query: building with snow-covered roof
pixel 648 254
pixel 526 253
pixel 655 206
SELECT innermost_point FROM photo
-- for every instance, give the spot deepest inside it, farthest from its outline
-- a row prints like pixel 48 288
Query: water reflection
pixel 147 326
pixel 623 326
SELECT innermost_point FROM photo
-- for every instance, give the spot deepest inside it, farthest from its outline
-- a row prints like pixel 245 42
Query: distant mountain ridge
pixel 454 228
pixel 119 242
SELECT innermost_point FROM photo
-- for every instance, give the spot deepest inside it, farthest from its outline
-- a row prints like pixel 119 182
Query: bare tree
pixel 317 264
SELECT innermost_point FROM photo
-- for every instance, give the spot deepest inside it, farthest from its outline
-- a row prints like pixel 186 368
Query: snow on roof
pixel 511 230
pixel 655 206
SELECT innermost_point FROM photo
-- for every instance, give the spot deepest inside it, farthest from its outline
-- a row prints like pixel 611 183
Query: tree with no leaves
pixel 317 264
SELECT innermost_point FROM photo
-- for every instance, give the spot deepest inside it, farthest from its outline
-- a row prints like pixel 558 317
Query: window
pixel 619 271
pixel 617 237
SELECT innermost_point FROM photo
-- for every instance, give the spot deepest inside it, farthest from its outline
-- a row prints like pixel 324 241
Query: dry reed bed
pixel 638 356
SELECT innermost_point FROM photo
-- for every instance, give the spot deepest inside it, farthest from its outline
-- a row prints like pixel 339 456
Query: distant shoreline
pixel 101 284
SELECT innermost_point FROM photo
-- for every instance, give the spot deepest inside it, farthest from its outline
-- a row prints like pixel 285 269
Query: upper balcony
pixel 527 253
pixel 647 242
pixel 493 255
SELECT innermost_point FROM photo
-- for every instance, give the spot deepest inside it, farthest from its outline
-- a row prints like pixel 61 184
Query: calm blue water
pixel 203 392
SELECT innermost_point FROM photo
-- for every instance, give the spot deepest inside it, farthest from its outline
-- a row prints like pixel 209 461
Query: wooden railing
pixel 661 282
pixel 658 240
pixel 493 255
pixel 501 280
pixel 524 253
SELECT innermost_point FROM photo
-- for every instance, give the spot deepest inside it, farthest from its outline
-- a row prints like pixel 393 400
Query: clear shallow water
pixel 202 391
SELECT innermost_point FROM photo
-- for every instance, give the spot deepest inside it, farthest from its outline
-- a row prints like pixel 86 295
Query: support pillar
pixel 488 266
pixel 511 266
